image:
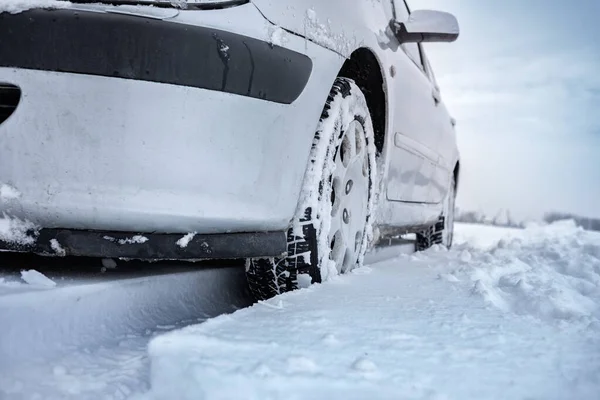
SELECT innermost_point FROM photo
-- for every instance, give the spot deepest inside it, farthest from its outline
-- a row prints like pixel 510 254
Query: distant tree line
pixel 591 224
pixel 504 218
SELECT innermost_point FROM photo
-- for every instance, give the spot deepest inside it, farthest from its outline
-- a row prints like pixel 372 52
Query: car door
pixel 414 156
pixel 445 146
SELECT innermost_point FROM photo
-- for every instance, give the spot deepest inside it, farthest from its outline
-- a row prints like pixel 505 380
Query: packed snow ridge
pixel 491 319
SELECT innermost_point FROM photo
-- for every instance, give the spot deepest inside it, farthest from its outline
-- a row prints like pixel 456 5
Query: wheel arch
pixel 365 69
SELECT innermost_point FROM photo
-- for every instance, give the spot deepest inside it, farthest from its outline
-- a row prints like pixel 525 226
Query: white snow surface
pixel 512 315
pixel 507 314
pixel 86 338
pixel 17 6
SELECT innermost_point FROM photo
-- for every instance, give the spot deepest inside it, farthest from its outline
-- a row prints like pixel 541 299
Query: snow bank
pixel 514 319
pixel 17 6
pixel 550 273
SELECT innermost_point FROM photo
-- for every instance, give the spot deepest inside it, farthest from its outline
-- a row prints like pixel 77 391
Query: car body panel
pixel 155 51
pixel 91 152
pixel 105 153
pixel 346 25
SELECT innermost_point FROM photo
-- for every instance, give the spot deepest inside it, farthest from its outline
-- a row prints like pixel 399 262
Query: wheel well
pixel 364 69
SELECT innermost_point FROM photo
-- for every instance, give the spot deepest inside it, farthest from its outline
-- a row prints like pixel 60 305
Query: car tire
pixel 332 228
pixel 442 233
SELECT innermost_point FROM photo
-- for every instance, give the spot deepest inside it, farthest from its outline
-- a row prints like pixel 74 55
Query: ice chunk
pixel 36 278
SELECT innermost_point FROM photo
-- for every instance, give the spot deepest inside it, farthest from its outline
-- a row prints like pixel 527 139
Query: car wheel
pixel 332 227
pixel 442 232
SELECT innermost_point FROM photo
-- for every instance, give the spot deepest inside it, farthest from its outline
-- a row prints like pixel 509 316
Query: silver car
pixel 295 134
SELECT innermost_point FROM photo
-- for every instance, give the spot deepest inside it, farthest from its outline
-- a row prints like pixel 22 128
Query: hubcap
pixel 349 198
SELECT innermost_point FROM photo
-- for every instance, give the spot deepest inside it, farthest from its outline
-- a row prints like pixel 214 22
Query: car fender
pixel 339 25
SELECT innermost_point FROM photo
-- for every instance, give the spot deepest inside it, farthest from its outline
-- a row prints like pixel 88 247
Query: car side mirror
pixel 426 26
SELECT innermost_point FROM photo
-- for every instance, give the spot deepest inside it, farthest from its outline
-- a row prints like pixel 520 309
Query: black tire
pixel 306 250
pixel 442 232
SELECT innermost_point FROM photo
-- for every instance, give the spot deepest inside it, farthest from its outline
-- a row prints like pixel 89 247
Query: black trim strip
pixel 154 246
pixel 133 47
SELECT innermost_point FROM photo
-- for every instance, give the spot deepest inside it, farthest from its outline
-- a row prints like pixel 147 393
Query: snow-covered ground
pixel 507 314
pixel 86 337
pixel 517 318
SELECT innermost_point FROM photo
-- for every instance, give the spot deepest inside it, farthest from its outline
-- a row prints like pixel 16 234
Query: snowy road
pixel 87 338
pixel 516 320
pixel 492 319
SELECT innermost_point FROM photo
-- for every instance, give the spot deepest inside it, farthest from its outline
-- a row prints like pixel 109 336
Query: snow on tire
pixel 332 228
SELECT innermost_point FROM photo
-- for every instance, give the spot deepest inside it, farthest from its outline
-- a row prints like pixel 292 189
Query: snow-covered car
pixel 295 134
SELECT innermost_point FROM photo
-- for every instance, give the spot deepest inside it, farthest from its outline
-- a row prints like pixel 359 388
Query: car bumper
pixel 137 152
pixel 153 50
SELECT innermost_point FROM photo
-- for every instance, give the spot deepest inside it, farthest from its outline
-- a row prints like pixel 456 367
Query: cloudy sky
pixel 523 81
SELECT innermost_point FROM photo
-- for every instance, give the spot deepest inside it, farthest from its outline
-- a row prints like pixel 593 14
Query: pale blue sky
pixel 523 81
